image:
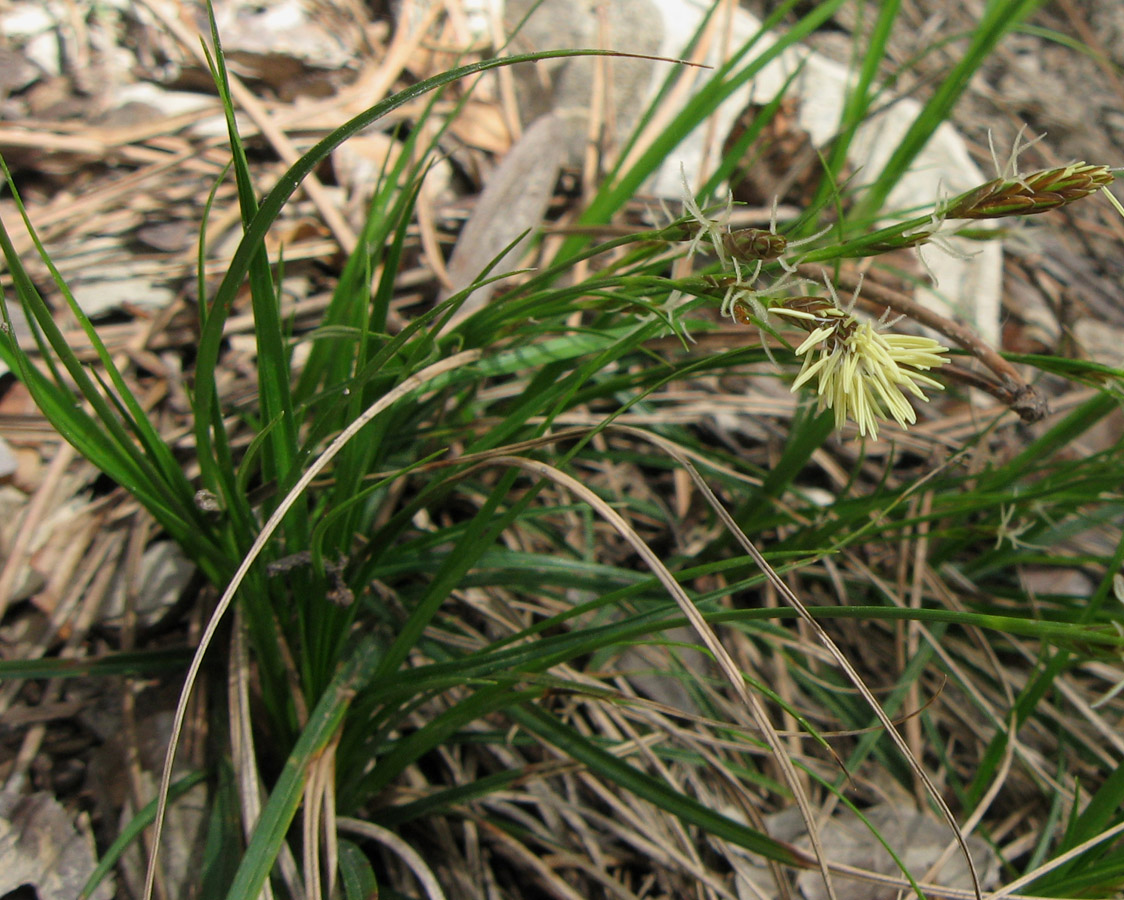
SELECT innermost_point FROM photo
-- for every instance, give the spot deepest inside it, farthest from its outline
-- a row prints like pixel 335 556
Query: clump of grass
pixel 437 589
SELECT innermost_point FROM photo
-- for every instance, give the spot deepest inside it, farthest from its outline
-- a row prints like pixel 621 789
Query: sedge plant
pixel 438 591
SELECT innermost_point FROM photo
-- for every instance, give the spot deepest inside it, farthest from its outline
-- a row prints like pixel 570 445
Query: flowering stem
pixel 893 237
pixel 1037 192
pixel 1011 389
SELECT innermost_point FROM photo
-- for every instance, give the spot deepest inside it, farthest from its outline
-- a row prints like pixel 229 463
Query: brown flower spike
pixel 1037 192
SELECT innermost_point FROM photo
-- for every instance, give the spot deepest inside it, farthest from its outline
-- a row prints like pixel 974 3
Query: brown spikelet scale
pixel 810 313
pixel 819 307
pixel 754 243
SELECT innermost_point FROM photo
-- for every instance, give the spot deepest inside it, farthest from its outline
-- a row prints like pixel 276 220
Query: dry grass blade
pixel 320 819
pixel 710 639
pixel 242 734
pixel 983 806
pixel 1061 860
pixel 783 589
pixel 927 888
pixel 408 386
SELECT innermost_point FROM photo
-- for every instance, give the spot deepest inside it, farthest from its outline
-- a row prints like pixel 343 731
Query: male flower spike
pixel 861 372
